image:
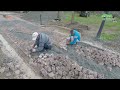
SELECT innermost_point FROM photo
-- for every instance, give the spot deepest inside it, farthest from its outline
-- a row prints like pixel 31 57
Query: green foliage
pixel 107 15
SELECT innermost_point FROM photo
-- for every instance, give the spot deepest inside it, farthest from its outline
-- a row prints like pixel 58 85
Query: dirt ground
pixel 18 33
pixel 88 34
pixel 3 58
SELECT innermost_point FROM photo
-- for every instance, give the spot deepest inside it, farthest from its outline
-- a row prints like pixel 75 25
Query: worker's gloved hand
pixel 68 41
pixel 33 50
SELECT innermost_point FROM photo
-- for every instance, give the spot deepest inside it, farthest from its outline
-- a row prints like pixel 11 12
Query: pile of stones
pixel 63 45
pixel 102 57
pixel 52 66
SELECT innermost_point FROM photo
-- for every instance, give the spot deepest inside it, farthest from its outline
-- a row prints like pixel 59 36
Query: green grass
pixel 86 21
pixel 95 20
pixel 108 37
pixel 109 25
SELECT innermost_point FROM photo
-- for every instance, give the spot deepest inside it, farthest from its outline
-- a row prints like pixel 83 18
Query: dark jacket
pixel 41 41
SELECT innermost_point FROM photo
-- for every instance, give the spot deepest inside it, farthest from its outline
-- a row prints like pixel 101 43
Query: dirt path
pixel 34 16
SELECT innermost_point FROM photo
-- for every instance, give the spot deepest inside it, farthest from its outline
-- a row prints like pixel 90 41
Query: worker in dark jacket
pixel 42 41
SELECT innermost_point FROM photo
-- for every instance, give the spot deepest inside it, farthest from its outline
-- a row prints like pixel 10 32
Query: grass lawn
pixel 109 37
pixel 95 20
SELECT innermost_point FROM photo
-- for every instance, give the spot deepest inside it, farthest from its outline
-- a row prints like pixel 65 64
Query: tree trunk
pixel 58 16
pixel 40 19
pixel 73 16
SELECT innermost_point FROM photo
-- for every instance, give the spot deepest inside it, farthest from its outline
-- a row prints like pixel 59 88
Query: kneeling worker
pixel 42 41
pixel 74 37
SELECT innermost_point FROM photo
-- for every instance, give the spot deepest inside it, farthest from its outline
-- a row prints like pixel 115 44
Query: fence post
pixel 100 29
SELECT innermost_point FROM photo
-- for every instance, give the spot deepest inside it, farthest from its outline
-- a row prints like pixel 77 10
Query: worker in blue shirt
pixel 74 37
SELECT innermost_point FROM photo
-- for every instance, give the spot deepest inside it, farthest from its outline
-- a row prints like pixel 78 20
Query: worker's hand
pixel 67 42
pixel 33 50
pixel 32 46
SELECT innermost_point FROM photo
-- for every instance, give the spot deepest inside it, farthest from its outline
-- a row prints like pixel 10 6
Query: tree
pixel 58 16
pixel 73 16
